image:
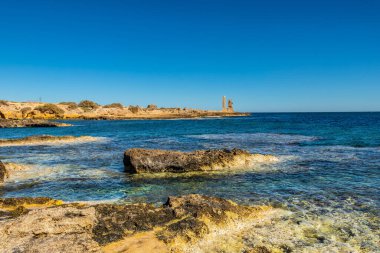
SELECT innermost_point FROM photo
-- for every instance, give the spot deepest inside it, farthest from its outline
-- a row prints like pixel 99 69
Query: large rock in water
pixel 138 160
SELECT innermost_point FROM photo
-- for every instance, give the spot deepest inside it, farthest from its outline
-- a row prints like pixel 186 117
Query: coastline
pixel 88 110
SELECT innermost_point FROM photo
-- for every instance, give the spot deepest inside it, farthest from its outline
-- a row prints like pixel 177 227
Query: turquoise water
pixel 329 163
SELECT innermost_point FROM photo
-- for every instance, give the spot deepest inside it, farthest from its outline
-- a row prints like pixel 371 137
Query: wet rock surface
pixel 115 221
pixel 8 123
pixel 138 160
pixel 61 227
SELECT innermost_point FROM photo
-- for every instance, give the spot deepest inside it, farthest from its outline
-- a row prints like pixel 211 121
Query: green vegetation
pixel 114 105
pixel 70 105
pixel 134 109
pixel 25 110
pixel 67 103
pixel 50 109
pixel 88 105
pixel 151 107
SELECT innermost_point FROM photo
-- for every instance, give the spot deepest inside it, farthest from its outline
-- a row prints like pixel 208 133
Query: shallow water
pixel 329 166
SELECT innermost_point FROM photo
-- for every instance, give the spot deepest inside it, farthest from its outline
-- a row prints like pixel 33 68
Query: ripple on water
pixel 269 138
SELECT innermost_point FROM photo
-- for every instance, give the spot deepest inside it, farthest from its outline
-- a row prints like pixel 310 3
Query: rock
pixel 115 220
pixel 10 203
pixel 3 172
pixel 57 229
pixel 9 123
pixel 196 215
pixel 61 227
pixel 148 160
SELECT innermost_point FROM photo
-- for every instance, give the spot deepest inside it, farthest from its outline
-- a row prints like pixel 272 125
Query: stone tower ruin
pixel 230 107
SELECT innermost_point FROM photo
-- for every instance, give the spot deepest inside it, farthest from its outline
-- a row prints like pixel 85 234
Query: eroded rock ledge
pixel 9 123
pixel 45 140
pixel 47 225
pixel 138 160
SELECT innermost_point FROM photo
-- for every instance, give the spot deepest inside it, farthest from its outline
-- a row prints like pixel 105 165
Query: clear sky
pixel 272 55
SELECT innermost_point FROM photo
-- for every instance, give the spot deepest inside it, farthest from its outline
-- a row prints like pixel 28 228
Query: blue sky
pixel 272 55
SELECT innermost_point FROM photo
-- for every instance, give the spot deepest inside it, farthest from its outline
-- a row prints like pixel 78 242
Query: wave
pixel 257 138
pixel 48 140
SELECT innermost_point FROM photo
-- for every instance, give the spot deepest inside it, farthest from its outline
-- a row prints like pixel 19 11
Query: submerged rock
pixel 45 139
pixel 138 160
pixel 9 123
pixel 107 227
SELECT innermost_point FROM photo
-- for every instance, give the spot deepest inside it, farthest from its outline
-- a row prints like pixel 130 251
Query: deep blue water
pixel 328 158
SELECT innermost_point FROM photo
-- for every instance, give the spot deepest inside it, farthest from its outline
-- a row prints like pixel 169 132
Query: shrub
pixel 151 107
pixel 50 109
pixel 25 110
pixel 3 102
pixel 134 109
pixel 88 105
pixel 114 105
pixel 70 105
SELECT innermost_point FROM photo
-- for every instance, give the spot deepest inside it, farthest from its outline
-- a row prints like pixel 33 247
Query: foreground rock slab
pixel 47 225
pixel 138 160
pixel 8 123
pixel 45 140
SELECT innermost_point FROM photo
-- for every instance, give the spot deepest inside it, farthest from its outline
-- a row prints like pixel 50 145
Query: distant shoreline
pixel 89 110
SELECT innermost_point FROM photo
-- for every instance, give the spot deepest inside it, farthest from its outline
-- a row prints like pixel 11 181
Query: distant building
pixel 230 107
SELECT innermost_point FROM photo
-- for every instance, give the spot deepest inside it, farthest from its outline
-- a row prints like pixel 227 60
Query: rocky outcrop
pixel 54 229
pixel 45 140
pixel 107 227
pixel 149 160
pixel 8 123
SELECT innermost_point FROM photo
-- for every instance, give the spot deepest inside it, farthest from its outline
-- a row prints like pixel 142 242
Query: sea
pixel 327 177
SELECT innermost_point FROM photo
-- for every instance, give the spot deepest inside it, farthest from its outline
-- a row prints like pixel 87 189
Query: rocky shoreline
pixel 47 225
pixel 89 110
pixel 10 123
pixel 43 224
